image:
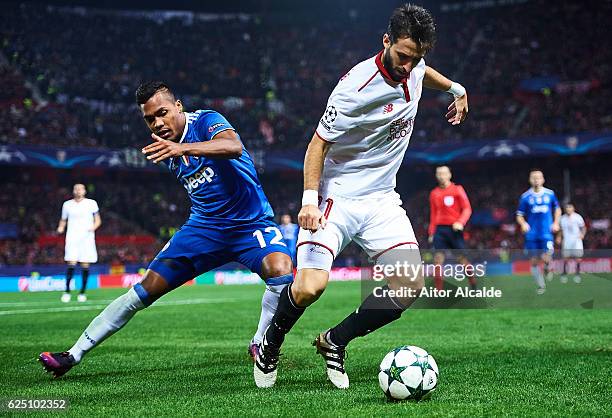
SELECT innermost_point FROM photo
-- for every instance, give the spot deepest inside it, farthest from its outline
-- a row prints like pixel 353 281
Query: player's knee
pixel 309 286
pixel 307 295
pixel 275 265
pixel 152 287
pixel 406 282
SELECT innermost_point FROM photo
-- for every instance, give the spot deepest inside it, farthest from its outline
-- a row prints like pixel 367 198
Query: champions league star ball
pixel 408 372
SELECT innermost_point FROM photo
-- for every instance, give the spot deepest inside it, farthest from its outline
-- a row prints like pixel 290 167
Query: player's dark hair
pixel 414 22
pixel 147 89
pixel 536 169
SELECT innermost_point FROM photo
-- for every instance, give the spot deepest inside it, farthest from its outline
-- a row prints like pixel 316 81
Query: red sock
pixel 438 281
pixel 472 281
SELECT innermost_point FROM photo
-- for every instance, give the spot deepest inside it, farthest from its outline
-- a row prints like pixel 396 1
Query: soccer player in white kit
pixel 350 171
pixel 572 232
pixel 82 216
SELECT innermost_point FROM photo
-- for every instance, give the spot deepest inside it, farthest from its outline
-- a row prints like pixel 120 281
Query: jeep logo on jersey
pixel 329 117
pixel 192 182
pixel 400 129
pixel 539 209
pixel 449 200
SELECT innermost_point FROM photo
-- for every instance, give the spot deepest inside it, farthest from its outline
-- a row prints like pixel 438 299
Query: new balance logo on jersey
pixel 400 129
pixel 388 108
pixel 205 175
pixel 317 249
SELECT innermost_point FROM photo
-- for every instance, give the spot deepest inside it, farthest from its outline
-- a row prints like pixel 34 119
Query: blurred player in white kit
pixel 82 216
pixel 571 234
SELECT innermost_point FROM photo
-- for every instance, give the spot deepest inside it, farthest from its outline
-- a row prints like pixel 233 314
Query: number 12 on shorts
pixel 277 239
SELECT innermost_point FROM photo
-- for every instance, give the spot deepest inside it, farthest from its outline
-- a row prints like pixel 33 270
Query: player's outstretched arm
pixel 556 219
pixel 61 227
pixel 520 219
pixel 310 217
pixel 458 109
pixel 225 144
pixel 97 222
pixel 559 237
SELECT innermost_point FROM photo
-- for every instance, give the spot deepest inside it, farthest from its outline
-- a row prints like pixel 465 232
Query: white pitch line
pixel 43 303
pixel 97 307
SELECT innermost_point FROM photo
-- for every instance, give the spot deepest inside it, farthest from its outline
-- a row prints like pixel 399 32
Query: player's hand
pixel 525 227
pixel 555 227
pixel 430 239
pixel 310 217
pixel 162 149
pixel 60 230
pixel 457 110
pixel 457 226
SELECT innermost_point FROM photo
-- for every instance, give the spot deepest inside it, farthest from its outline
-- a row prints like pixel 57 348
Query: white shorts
pixel 377 225
pixel 81 250
pixel 572 248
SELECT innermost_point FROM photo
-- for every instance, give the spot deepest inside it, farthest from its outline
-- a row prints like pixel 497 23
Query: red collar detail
pixel 386 74
pixel 382 68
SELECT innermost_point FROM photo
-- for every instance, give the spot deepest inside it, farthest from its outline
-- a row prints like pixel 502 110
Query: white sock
pixel 110 320
pixel 269 303
pixel 538 276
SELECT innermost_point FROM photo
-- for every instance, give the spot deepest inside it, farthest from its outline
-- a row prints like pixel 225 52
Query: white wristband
pixel 310 197
pixel 456 89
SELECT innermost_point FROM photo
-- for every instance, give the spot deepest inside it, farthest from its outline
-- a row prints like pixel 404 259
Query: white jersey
pixel 80 239
pixel 570 226
pixel 80 217
pixel 369 119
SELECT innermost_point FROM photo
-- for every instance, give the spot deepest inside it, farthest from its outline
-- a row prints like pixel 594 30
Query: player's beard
pixel 386 60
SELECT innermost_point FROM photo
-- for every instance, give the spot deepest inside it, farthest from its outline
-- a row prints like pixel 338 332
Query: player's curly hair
pixel 147 89
pixel 414 22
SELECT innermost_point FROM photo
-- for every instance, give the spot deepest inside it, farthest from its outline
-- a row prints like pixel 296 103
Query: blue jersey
pixel 222 191
pixel 538 210
pixel 290 233
pixel 290 236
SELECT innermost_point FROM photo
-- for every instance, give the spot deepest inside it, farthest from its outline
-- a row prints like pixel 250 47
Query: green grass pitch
pixel 187 356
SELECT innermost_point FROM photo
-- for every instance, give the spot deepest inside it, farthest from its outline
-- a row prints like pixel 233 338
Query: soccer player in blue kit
pixel 290 234
pixel 538 216
pixel 230 220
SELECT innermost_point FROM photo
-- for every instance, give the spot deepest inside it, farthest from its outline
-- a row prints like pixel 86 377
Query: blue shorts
pixel 445 238
pixel 537 247
pixel 194 250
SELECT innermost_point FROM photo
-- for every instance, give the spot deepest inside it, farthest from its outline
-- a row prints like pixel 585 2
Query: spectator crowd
pixel 68 77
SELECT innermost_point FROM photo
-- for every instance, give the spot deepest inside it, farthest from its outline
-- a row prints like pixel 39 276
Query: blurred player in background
pixel 570 236
pixel 230 220
pixel 350 172
pixel 290 234
pixel 82 216
pixel 538 216
pixel 450 210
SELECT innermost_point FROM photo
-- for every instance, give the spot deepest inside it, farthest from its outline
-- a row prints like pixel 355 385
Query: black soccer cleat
pixel 334 356
pixel 57 364
pixel 266 364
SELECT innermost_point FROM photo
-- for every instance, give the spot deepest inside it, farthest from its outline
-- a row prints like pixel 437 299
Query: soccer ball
pixel 408 372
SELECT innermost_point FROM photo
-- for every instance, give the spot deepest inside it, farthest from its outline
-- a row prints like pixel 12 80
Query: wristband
pixel 310 197
pixel 456 89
